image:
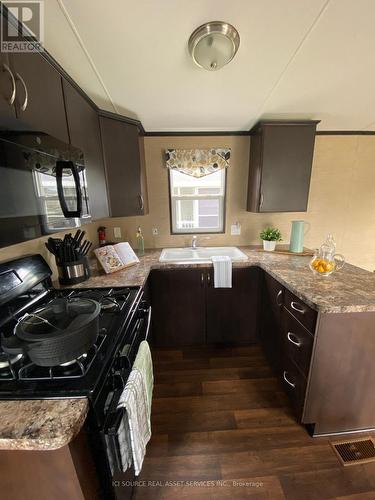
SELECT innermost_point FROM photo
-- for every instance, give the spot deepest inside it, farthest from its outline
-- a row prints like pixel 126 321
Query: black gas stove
pixel 99 374
pixel 24 288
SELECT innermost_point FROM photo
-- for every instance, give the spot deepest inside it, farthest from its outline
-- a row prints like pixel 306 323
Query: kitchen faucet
pixel 194 242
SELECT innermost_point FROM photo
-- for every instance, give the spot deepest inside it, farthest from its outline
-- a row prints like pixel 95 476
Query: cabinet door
pixel 84 132
pixel 280 166
pixel 286 168
pixel 39 97
pixel 271 320
pixel 7 94
pixel 178 307
pixel 123 159
pixel 232 313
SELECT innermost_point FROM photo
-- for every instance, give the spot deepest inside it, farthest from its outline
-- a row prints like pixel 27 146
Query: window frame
pixel 195 230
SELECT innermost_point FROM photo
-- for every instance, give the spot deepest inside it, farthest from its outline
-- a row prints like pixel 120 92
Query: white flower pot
pixel 269 245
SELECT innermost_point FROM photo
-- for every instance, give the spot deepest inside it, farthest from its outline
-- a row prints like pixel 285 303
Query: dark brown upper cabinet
pixel 31 95
pixel 84 132
pixel 123 151
pixel 281 154
pixel 39 96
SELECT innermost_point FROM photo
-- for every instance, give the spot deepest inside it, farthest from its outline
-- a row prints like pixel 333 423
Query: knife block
pixel 71 273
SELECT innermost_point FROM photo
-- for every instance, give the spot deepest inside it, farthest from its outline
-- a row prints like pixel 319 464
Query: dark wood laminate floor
pixel 222 429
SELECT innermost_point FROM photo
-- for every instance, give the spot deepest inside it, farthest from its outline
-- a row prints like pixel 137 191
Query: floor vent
pixel 355 451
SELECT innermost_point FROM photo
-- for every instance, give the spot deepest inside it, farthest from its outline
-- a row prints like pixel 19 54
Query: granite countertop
pixel 50 424
pixel 41 424
pixel 351 289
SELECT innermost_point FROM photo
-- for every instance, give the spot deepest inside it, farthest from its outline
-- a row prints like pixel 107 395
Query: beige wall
pixel 342 199
pixel 37 246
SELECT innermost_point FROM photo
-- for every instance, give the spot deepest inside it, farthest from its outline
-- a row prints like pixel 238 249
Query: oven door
pixel 115 434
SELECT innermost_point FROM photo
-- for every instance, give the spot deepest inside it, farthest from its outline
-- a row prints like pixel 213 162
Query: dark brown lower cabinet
pixel 232 313
pixel 178 307
pixel 66 473
pixel 188 310
pixel 270 331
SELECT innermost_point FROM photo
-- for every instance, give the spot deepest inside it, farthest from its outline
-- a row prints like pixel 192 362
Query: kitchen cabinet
pixel 287 327
pixel 232 313
pixel 281 154
pixel 87 138
pixel 39 98
pixel 188 310
pixel 272 297
pixel 178 307
pixel 123 151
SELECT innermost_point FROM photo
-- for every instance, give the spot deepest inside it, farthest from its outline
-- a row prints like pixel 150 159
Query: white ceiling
pixel 297 59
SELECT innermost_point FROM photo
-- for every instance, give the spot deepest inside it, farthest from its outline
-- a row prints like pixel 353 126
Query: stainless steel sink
pixel 200 254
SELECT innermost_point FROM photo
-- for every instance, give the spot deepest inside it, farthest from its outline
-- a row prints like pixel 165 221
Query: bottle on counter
pixel 102 236
pixel 140 242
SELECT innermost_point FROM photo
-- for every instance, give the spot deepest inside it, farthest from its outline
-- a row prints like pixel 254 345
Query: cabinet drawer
pixel 297 342
pixel 294 384
pixel 300 310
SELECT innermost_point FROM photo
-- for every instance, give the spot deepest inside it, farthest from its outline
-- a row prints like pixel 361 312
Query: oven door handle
pixel 60 166
pixel 111 430
pixel 148 323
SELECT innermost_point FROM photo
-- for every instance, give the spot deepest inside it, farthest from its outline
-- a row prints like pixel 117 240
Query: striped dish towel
pixel 136 399
pixel 222 271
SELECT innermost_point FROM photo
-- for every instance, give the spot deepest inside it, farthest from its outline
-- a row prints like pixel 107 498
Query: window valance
pixel 197 162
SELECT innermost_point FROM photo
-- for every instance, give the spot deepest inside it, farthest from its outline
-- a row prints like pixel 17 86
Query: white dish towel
pixel 222 271
pixel 136 399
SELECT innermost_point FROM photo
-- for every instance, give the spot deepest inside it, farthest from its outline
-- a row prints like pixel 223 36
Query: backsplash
pixel 339 201
pixel 37 246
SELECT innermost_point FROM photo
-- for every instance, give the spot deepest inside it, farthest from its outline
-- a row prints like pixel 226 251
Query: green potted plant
pixel 270 236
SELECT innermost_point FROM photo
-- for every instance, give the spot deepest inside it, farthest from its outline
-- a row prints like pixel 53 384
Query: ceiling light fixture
pixel 213 45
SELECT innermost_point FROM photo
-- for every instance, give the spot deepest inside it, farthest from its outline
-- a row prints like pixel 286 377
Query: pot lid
pixel 61 316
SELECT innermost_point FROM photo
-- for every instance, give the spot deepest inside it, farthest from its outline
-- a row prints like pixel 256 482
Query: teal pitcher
pixel 297 235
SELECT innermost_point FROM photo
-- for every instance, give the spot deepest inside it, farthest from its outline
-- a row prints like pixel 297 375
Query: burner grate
pixel 77 369
pixel 355 451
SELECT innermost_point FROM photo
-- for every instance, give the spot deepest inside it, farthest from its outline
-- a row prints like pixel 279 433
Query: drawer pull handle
pixel 288 381
pixel 26 100
pixel 297 343
pixel 278 297
pixel 297 307
pixel 13 94
pixel 202 279
pixel 208 279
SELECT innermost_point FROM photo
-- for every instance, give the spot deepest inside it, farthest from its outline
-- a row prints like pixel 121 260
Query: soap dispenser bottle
pixel 140 242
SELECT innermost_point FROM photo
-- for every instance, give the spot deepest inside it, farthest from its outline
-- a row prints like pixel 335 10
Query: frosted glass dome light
pixel 213 45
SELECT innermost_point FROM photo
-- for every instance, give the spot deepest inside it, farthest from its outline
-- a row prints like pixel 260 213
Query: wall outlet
pixel 235 229
pixel 155 231
pixel 117 232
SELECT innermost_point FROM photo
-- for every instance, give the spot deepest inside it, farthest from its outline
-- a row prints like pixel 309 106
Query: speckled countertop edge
pixel 46 424
pixel 351 289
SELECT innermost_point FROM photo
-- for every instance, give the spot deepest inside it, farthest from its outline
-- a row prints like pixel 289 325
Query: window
pixel 197 205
